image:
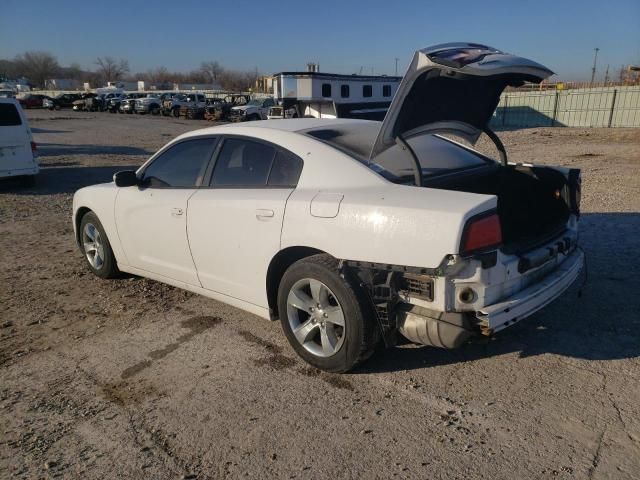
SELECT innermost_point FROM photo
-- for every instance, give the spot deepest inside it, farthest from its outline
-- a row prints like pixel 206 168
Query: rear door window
pixel 243 163
pixel 9 115
pixel 181 166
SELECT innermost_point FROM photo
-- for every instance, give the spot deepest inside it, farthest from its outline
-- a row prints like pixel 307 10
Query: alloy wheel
pixel 316 317
pixel 93 246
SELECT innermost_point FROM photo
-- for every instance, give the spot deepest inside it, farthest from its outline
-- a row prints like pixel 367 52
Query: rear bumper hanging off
pixel 498 316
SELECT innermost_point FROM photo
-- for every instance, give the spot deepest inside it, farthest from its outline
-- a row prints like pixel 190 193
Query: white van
pixel 18 155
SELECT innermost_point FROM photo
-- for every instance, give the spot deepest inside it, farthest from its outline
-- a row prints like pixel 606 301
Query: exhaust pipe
pixel 435 329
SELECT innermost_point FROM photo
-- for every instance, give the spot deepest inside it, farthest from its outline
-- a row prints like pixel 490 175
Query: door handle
pixel 263 214
pixel 176 212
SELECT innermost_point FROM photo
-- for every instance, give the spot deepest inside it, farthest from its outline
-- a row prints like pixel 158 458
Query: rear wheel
pixel 96 247
pixel 326 319
pixel 155 110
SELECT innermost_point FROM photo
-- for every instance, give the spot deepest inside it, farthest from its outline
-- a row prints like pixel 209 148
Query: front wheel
pixel 327 320
pixel 176 112
pixel 96 247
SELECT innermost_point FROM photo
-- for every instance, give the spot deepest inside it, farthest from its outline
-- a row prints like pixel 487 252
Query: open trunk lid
pixel 453 87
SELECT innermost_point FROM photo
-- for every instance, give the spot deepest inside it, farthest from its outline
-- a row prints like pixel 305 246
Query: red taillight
pixel 34 149
pixel 481 233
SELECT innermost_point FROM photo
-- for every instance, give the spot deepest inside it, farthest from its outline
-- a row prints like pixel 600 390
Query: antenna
pixel 397 66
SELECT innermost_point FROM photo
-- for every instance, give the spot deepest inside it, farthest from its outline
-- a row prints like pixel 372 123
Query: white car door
pixel 234 225
pixel 152 218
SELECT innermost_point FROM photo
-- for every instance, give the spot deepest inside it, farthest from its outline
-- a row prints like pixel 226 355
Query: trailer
pixel 329 95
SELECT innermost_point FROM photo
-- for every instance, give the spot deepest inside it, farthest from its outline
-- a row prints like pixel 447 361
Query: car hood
pixel 242 108
pixel 453 87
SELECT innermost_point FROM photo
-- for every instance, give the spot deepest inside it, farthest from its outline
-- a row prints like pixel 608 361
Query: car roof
pixel 285 125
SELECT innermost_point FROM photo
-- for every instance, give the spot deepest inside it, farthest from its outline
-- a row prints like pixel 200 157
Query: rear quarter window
pixel 435 153
pixel 9 115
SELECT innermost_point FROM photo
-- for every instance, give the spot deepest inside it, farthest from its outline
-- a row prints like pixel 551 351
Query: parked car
pixel 353 232
pixel 88 102
pixel 7 94
pixel 278 112
pixel 217 109
pixel 165 102
pixel 128 103
pixel 101 101
pixel 32 100
pixel 151 103
pixel 256 109
pixel 18 153
pixel 184 102
pixel 64 100
pixel 113 104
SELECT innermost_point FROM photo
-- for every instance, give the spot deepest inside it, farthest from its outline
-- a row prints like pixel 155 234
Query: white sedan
pixel 352 232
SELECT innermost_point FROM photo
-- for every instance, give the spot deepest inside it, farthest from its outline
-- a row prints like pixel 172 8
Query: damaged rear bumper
pixel 498 316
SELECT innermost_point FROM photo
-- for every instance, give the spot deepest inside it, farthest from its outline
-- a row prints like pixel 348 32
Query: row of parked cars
pixel 192 105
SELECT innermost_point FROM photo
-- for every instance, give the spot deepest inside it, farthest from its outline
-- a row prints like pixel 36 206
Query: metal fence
pixel 581 107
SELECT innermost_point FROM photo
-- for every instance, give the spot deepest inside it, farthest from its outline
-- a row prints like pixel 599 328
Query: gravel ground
pixel 135 379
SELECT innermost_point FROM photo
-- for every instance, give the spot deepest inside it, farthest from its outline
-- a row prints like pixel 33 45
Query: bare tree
pixel 241 81
pixel 160 77
pixel 37 66
pixel 212 70
pixel 111 69
pixel 8 69
pixel 251 77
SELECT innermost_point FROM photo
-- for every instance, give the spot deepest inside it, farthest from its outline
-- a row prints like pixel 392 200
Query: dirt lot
pixel 134 379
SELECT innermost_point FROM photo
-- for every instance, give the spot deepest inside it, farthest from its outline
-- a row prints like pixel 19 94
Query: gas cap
pixel 326 205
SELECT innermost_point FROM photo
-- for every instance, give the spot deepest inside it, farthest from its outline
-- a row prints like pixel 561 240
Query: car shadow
pixel 51 149
pixel 45 130
pixel 56 180
pixel 602 324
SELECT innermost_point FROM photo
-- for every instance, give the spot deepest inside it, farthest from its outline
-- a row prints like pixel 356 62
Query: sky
pixel 346 36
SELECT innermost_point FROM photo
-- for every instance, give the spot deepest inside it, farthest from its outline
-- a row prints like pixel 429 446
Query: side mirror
pixel 125 178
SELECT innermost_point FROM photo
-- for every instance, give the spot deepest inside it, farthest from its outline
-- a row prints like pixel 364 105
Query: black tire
pixel 360 334
pixel 109 267
pixel 155 110
pixel 175 112
pixel 253 117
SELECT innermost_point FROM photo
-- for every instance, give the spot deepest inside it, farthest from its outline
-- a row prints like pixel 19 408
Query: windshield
pixel 255 102
pixel 436 154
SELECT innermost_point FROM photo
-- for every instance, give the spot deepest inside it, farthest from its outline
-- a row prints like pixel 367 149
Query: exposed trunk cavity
pixel 534 203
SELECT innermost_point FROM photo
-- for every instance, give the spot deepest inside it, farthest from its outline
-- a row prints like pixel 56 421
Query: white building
pixel 329 95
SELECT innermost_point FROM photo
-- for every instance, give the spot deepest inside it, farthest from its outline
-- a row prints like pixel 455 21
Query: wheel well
pixel 279 264
pixel 82 211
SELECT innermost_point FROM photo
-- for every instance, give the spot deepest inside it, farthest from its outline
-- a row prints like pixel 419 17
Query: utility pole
pixel 593 70
pixel 606 76
pixel 397 66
